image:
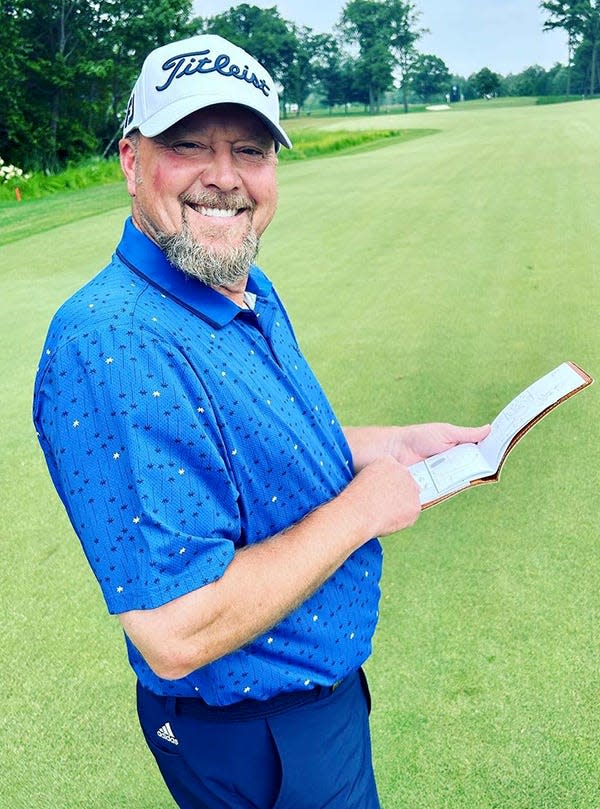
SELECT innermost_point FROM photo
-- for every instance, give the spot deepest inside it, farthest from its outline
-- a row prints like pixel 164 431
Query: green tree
pixel 485 82
pixel 590 40
pixel 581 20
pixel 385 33
pixel 462 89
pixel 332 73
pixel 533 81
pixel 558 78
pixel 364 22
pixel 404 34
pixel 58 80
pixel 275 42
pixel 430 77
pixel 70 67
pixel 15 51
pixel 132 29
pixel 563 14
pixel 300 75
pixel 262 32
pixel 586 72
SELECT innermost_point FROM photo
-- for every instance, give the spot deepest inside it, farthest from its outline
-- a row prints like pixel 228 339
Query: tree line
pixel 69 65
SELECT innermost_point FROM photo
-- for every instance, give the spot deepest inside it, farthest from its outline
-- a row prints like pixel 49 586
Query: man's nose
pixel 221 171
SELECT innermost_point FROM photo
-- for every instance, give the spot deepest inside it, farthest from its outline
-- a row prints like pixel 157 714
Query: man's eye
pixel 250 154
pixel 187 147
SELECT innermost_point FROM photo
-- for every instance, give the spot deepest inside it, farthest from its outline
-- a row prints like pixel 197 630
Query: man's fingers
pixel 473 435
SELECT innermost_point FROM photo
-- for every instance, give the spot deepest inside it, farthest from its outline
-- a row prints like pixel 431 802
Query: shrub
pixel 10 175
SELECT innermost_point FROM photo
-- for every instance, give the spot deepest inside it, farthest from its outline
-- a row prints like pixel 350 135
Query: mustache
pixel 227 201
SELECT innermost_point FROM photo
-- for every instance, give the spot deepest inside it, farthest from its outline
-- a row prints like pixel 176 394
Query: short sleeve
pixel 136 454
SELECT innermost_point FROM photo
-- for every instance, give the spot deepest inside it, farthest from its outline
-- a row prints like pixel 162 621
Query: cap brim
pixel 182 107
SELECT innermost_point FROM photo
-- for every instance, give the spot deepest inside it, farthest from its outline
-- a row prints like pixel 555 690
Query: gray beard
pixel 216 268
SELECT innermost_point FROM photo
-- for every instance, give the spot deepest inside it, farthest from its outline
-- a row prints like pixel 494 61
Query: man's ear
pixel 128 157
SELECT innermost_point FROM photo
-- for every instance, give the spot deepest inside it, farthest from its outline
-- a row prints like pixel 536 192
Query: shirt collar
pixel 147 260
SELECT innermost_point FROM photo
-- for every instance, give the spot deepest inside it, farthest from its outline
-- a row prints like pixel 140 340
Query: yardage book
pixel 447 473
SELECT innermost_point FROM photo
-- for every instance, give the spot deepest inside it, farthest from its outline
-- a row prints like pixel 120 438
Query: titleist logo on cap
pixel 187 64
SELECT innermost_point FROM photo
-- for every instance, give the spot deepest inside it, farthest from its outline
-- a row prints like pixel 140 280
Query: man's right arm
pixel 266 581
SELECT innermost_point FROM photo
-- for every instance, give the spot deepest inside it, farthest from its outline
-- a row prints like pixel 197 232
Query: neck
pixel 235 292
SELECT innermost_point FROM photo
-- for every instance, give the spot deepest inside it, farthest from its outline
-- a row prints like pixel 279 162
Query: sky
pixel 504 35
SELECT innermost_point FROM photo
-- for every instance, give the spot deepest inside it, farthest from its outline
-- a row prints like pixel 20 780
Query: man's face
pixel 205 190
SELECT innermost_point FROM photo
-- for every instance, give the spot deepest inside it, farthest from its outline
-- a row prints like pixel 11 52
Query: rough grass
pixel 310 143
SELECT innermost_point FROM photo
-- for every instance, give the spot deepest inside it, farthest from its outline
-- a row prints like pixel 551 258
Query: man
pixel 228 518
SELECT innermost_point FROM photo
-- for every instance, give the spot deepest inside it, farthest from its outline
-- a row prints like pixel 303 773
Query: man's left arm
pixel 409 444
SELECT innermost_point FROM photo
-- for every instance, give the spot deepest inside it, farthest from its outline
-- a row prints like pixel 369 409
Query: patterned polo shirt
pixel 178 427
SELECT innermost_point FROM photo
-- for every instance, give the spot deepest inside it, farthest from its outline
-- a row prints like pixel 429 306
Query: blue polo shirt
pixel 178 428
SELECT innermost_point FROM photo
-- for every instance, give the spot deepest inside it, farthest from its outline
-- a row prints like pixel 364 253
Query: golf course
pixel 430 277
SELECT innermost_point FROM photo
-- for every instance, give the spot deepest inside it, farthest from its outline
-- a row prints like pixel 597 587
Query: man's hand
pixel 385 497
pixel 420 441
pixel 408 445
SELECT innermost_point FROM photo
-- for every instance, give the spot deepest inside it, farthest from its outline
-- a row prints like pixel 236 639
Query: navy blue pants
pixel 300 751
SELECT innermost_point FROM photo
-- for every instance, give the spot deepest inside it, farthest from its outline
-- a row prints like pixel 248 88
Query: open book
pixel 456 469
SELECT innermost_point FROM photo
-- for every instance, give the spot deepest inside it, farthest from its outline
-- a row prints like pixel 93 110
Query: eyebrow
pixel 174 133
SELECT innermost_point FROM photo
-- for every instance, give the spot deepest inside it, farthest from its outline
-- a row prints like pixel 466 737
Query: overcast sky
pixel 504 35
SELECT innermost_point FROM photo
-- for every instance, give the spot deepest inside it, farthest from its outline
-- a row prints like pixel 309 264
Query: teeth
pixel 217 212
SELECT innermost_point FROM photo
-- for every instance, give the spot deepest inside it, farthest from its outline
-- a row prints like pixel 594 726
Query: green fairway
pixel 430 279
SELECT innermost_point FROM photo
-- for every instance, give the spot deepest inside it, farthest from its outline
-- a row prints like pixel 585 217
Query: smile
pixel 216 213
pixel 220 213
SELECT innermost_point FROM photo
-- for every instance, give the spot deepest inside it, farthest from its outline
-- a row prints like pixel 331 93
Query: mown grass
pixel 22 219
pixel 430 280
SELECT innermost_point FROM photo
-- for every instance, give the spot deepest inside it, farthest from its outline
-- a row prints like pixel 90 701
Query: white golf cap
pixel 183 77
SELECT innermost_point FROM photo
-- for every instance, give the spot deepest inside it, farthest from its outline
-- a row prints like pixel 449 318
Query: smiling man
pixel 229 519
pixel 205 190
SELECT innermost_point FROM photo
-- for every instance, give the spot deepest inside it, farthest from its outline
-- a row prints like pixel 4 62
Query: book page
pixel 525 408
pixel 449 471
pixel 456 468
